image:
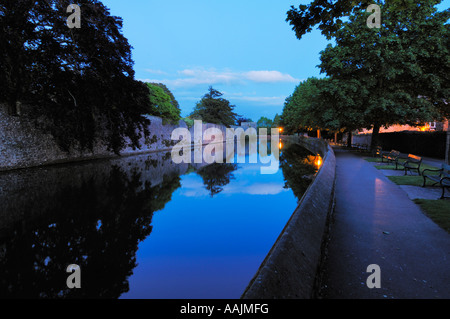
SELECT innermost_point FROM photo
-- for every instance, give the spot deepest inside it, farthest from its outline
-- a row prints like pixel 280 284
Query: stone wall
pixel 22 145
pixel 364 139
pixel 291 269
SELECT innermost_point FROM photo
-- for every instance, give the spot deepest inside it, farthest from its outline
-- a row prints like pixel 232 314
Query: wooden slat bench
pixel 443 178
pixel 361 147
pixel 412 162
pixel 391 157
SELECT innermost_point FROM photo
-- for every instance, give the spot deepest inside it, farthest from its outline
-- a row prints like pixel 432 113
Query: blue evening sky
pixel 245 49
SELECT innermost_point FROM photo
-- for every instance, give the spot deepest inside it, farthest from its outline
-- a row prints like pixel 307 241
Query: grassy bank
pixel 391 166
pixel 410 180
pixel 437 210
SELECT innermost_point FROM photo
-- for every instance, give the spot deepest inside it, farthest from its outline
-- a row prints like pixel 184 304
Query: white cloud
pixel 265 100
pixel 253 97
pixel 159 72
pixel 201 76
pixel 193 185
pixel 270 77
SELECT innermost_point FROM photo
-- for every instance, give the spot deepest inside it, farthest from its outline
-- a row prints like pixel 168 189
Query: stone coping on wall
pixel 291 268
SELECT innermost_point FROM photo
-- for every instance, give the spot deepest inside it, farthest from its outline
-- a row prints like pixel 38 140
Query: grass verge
pixel 391 166
pixel 437 210
pixel 410 180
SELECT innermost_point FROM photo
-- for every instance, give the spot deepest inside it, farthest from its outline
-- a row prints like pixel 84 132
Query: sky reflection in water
pixel 198 232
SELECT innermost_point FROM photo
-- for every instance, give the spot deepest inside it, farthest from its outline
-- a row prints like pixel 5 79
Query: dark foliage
pixel 216 176
pixel 328 15
pixel 296 163
pixel 431 144
pixel 80 80
pixel 212 108
pixel 97 225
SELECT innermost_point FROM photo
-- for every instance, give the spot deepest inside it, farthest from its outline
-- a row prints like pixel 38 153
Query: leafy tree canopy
pixel 400 72
pixel 328 14
pixel 396 74
pixel 216 176
pixel 80 80
pixel 276 120
pixel 323 104
pixel 212 108
pixel 163 104
pixel 173 101
pixel 264 122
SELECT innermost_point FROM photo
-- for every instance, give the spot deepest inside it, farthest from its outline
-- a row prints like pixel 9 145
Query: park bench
pixel 391 157
pixel 412 162
pixel 377 152
pixel 361 147
pixel 443 178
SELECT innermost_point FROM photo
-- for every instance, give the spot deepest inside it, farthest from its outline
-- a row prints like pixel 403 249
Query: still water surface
pixel 143 227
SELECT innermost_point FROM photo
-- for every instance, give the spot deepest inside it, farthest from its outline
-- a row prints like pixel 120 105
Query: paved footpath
pixel 376 223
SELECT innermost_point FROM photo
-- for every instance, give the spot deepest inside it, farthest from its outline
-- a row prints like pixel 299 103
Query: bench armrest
pixel 447 179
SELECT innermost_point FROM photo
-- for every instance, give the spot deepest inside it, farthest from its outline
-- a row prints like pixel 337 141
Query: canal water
pixel 144 227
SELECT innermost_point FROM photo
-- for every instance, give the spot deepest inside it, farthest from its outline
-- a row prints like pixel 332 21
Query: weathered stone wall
pixel 364 139
pixel 22 145
pixel 291 269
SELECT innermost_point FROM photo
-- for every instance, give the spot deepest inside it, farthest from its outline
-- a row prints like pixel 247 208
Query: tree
pixel 264 122
pixel 107 226
pixel 173 101
pixel 276 120
pixel 400 71
pixel 299 108
pixel 298 170
pixel 162 104
pixel 328 14
pixel 81 81
pixel 322 104
pixel 447 153
pixel 216 176
pixel 212 108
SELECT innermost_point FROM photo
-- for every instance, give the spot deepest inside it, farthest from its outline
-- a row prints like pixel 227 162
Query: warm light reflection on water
pixel 318 161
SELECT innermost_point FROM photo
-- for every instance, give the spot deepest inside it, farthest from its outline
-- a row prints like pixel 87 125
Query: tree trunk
pixel 318 133
pixel 349 139
pixel 11 106
pixel 375 136
pixel 14 108
pixel 447 153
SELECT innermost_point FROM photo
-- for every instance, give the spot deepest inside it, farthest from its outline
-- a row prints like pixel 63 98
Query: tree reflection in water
pixel 97 226
pixel 297 164
pixel 96 219
pixel 216 176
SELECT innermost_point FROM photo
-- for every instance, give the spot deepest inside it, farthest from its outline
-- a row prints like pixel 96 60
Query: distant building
pixel 428 127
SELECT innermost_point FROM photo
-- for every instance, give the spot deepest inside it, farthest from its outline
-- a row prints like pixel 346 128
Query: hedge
pixel 430 144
